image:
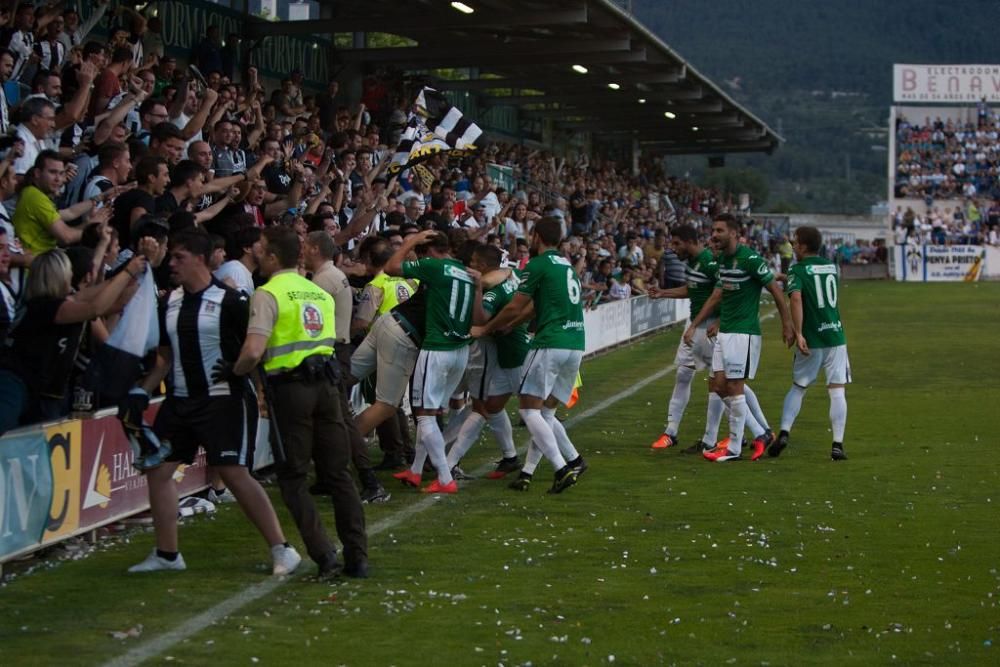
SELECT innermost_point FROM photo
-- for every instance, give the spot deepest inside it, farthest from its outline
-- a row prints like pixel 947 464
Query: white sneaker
pixel 286 559
pixel 220 498
pixel 154 563
pixel 194 505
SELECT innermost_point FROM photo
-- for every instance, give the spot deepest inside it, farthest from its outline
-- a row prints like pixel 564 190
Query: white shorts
pixel 435 377
pixel 482 366
pixel 699 353
pixel 505 381
pixel 736 354
pixel 550 372
pixel 833 360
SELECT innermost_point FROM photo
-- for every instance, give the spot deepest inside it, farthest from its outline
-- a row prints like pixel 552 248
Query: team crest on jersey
pixel 312 320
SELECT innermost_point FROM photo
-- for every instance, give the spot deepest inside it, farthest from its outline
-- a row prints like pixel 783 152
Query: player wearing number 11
pixel 451 292
pixel 813 288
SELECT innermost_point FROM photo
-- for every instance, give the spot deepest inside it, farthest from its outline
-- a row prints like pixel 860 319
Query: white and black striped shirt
pixel 202 328
pixel 50 54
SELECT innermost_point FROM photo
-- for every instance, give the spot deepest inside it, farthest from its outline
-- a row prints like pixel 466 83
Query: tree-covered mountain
pixel 821 75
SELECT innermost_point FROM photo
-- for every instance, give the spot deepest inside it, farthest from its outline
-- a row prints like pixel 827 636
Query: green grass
pixel 654 558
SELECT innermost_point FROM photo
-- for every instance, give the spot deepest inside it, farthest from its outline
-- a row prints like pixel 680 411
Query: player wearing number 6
pixel 444 352
pixel 550 284
pixel 813 288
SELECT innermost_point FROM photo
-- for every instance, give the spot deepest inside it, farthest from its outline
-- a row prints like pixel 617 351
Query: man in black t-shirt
pixel 153 176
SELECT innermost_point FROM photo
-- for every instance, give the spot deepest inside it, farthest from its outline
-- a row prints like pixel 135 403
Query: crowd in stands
pixel 110 146
pixel 949 158
pixel 966 222
pixel 953 166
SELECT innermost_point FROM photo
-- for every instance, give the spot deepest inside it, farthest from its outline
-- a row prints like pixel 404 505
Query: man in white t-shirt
pixel 237 272
pixel 39 122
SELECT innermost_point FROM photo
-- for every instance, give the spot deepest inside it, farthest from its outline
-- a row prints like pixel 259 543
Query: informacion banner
pixel 946 83
pixel 940 263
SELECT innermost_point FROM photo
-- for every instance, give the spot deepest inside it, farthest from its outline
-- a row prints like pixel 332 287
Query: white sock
pixel 472 426
pixel 543 436
pixel 754 409
pixel 791 407
pixel 715 409
pixel 429 435
pixel 503 432
pixel 737 421
pixel 679 399
pixel 419 457
pixel 566 447
pixel 756 430
pixel 838 412
pixel 455 420
pixel 531 458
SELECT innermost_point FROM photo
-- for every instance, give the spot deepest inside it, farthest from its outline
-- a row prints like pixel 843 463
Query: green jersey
pixel 512 347
pixel 701 272
pixel 741 277
pixel 817 279
pixel 551 282
pixel 450 291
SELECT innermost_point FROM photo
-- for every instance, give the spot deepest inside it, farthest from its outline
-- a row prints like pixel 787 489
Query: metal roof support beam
pixel 469 51
pixel 500 59
pixel 559 79
pixel 402 23
pixel 587 99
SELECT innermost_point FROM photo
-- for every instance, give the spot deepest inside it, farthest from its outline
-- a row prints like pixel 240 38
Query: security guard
pixel 292 332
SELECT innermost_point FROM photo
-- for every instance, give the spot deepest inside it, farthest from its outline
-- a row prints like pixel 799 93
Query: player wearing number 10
pixel 444 353
pixel 812 288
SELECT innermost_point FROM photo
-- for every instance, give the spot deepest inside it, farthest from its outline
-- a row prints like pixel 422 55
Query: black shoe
pixel 357 569
pixel 565 478
pixel 504 467
pixel 330 567
pixel 579 466
pixel 461 475
pixel 320 489
pixel 778 445
pixel 696 448
pixel 522 483
pixel 375 494
pixel 390 463
pixel 837 452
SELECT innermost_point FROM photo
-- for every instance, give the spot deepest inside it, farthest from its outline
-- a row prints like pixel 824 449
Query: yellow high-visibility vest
pixel 305 325
pixel 394 291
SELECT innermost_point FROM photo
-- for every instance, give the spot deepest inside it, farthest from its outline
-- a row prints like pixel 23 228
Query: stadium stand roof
pixel 587 65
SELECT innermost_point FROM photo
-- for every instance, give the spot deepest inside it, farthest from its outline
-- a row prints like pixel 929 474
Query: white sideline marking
pixel 210 616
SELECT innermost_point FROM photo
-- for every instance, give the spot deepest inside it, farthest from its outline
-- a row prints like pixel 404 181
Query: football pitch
pixel 653 558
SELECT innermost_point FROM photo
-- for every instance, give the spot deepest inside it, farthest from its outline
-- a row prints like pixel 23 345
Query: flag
pixel 435 127
pixel 117 364
pixel 445 121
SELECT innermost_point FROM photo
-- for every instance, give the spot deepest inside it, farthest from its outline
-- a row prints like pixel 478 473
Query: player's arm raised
pixel 394 267
pixel 705 312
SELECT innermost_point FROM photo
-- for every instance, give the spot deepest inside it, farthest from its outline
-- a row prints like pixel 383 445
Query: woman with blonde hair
pixel 35 371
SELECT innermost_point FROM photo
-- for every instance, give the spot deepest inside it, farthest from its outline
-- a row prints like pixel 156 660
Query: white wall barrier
pixel 617 322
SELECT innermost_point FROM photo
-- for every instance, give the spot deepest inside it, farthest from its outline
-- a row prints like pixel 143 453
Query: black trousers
pixel 310 420
pixel 359 448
